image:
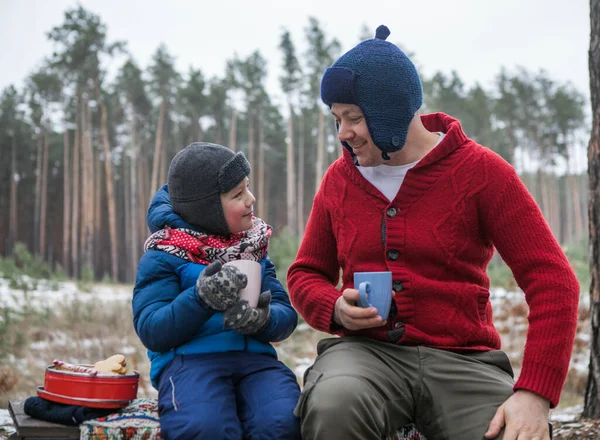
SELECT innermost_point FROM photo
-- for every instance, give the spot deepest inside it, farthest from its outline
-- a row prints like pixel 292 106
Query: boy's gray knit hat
pixel 198 175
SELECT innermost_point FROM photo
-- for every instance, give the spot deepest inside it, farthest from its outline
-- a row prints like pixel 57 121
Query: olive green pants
pixel 362 389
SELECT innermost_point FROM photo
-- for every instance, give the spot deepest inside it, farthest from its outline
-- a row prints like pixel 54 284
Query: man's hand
pixel 352 317
pixel 524 416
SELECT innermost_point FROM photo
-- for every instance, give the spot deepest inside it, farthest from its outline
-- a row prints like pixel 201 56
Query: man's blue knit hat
pixel 379 78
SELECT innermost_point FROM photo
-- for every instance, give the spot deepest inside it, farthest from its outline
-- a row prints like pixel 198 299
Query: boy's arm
pixel 165 317
pixel 283 318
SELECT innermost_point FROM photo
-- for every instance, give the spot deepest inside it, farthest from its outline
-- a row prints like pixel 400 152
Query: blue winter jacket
pixel 170 319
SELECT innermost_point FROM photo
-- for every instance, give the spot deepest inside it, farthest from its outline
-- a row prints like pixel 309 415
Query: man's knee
pixel 340 407
pixel 340 397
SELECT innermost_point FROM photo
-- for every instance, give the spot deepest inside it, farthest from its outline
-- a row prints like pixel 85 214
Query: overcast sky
pixel 473 37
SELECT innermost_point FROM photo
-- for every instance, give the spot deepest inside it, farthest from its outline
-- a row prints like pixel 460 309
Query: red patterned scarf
pixel 204 249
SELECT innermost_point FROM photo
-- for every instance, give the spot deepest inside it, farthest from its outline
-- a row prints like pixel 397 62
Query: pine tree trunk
pixel 38 195
pixel 572 211
pixel 233 131
pixel 157 150
pixel 262 199
pixel 300 178
pixel 568 214
pixel 545 198
pixel 75 263
pixel 100 243
pixel 133 235
pixel 110 197
pixel 219 138
pixel 251 141
pixel 592 393
pixel 94 184
pixel 13 225
pixel 124 204
pixel 291 179
pixel 578 223
pixel 87 185
pixel 162 175
pixel 123 191
pixel 583 182
pixel 554 204
pixel 92 222
pixel 66 202
pixel 565 217
pixel 511 144
pixel 83 179
pixel 320 151
pixel 198 134
pixel 44 196
pixel 144 178
pixel 267 179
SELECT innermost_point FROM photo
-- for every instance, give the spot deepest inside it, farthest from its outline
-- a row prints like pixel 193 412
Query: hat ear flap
pixel 338 85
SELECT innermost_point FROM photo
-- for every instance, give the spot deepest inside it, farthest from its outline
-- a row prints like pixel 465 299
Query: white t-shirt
pixel 388 179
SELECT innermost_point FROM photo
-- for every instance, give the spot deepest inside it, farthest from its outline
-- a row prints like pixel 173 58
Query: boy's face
pixel 237 206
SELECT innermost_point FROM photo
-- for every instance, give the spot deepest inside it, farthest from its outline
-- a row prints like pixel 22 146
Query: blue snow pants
pixel 233 395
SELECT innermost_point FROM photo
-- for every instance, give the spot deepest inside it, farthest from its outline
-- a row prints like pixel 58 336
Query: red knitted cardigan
pixel 458 203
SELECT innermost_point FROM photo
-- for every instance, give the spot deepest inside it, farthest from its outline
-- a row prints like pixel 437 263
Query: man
pixel 412 194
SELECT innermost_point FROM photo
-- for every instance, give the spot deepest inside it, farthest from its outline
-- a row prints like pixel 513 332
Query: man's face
pixel 352 129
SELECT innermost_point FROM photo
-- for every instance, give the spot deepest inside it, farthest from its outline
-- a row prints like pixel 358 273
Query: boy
pixel 216 372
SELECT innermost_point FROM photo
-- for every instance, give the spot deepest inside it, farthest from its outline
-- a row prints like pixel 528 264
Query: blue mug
pixel 375 290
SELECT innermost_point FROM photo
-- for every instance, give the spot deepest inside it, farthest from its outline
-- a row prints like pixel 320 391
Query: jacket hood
pixel 161 213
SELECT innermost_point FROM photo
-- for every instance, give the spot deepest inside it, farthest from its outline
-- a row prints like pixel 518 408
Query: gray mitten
pixel 219 286
pixel 248 320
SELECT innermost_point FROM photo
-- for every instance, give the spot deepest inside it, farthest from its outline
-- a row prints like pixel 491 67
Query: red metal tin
pixel 101 391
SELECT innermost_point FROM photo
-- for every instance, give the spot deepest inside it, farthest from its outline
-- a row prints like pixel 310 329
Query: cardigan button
pixel 397 286
pixel 398 325
pixel 393 254
pixel 391 212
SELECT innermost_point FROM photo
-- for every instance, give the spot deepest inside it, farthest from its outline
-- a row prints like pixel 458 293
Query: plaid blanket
pixel 408 432
pixel 139 421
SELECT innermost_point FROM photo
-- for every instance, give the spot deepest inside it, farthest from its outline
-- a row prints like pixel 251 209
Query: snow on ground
pixel 567 415
pixel 46 294
pixel 6 426
pixel 43 293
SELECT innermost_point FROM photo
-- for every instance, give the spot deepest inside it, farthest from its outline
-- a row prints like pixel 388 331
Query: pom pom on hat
pixel 382 32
